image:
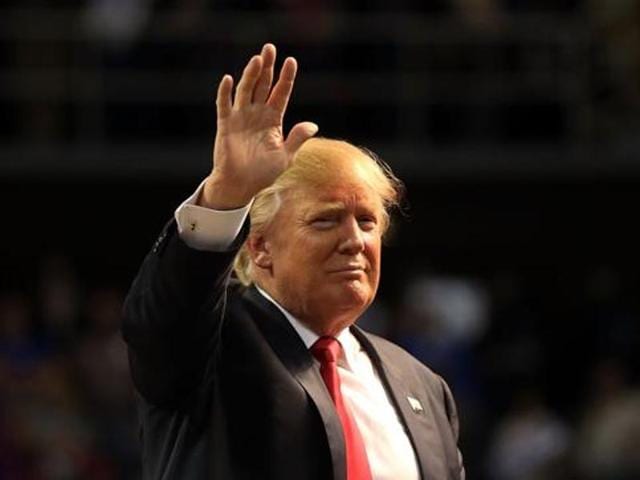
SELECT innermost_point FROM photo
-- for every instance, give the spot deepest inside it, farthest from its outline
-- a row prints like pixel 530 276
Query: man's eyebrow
pixel 326 208
pixel 335 208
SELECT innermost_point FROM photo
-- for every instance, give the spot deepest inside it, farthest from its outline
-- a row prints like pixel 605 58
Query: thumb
pixel 300 133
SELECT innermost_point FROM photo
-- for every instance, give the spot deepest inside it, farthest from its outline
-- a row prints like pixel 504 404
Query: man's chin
pixel 353 295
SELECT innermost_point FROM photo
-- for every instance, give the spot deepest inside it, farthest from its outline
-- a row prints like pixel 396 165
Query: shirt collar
pixel 350 345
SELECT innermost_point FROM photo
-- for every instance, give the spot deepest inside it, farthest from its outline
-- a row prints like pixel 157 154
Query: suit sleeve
pixel 172 317
pixel 452 414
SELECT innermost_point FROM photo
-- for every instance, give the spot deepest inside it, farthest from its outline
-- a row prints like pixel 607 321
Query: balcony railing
pixel 433 95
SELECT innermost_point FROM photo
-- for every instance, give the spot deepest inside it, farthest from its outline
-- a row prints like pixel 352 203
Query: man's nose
pixel 351 239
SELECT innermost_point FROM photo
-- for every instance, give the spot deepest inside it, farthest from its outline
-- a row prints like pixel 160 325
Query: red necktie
pixel 327 350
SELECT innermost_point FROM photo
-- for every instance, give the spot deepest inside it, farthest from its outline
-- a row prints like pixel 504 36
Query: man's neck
pixel 317 329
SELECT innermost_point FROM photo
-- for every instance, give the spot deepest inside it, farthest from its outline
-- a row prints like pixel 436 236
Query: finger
pixel 300 133
pixel 223 100
pixel 250 75
pixel 281 92
pixel 263 85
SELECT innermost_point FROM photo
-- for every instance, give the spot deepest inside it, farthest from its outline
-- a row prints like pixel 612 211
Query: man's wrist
pixel 205 228
pixel 223 194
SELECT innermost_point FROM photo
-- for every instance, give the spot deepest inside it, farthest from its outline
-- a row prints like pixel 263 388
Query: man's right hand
pixel 250 149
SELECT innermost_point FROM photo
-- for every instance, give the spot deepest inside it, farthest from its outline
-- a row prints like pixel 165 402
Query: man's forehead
pixel 337 197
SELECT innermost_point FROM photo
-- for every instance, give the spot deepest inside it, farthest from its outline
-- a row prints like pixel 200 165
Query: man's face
pixel 323 251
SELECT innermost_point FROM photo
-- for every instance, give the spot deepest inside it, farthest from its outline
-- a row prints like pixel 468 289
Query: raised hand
pixel 250 149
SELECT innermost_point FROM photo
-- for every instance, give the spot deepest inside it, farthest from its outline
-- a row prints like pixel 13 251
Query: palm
pixel 250 147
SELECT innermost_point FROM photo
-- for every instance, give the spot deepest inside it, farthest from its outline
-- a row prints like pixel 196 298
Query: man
pixel 271 379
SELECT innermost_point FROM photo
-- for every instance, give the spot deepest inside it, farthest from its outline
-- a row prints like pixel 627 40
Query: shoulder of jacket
pixel 401 359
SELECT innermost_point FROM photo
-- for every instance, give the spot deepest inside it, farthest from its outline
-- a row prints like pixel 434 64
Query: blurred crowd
pixel 540 398
pixel 547 390
pixel 66 398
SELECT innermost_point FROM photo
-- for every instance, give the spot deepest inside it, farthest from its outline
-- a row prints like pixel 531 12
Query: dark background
pixel 514 125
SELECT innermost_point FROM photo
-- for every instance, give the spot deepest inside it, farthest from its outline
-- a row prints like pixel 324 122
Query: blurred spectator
pixel 116 23
pixel 617 72
pixel 102 354
pixel 607 309
pixel 19 352
pixel 103 371
pixel 530 442
pixel 309 19
pixel 39 117
pixel 447 308
pixel 58 302
pixel 439 322
pixel 609 433
pixel 512 349
pixel 482 15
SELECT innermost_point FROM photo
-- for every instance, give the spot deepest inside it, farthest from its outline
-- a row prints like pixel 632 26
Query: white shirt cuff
pixel 207 229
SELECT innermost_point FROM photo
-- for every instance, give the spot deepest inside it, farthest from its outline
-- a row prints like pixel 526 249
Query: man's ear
pixel 259 250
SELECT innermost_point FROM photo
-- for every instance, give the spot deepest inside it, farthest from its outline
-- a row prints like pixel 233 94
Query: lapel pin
pixel 416 406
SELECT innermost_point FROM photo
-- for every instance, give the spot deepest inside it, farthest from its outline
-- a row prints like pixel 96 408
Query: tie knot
pixel 326 349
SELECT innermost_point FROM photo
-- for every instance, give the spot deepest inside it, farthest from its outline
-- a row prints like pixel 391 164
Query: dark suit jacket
pixel 228 390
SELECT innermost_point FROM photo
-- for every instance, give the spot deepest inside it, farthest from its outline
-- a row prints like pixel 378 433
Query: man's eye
pixel 323 223
pixel 367 223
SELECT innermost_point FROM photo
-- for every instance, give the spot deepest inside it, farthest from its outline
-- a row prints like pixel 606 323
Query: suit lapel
pixel 290 348
pixel 419 423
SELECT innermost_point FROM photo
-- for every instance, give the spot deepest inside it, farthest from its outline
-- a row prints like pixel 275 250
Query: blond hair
pixel 318 162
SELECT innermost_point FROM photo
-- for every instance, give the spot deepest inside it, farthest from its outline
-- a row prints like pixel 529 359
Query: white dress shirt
pixel 389 451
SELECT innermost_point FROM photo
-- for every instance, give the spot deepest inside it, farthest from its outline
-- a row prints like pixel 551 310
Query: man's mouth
pixel 348 269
